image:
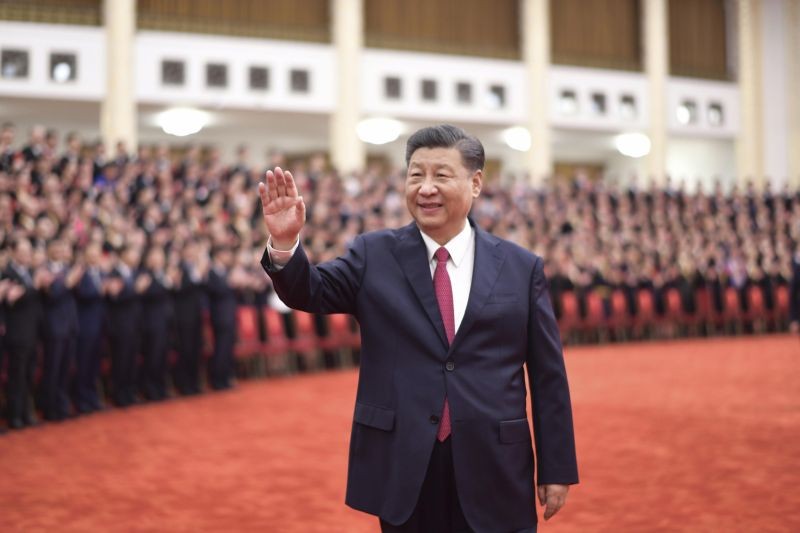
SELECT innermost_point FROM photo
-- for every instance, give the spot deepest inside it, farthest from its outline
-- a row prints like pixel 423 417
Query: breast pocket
pixel 502 299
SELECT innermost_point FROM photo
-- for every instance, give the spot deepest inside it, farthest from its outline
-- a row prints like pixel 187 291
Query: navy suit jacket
pixel 407 368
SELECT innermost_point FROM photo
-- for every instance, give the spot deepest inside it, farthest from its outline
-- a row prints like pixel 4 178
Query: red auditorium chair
pixel 732 313
pixel 621 321
pixel 306 343
pixel 675 319
pixel 756 311
pixel 248 343
pixel 703 316
pixel 645 313
pixel 208 335
pixel 569 323
pixel 781 311
pixel 341 337
pixel 276 346
pixel 595 323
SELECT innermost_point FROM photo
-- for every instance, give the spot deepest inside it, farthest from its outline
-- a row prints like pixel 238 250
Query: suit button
pixel 450 366
pixel 434 419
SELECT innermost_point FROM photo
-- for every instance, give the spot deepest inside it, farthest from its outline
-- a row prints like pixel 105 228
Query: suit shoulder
pixel 517 252
pixel 382 237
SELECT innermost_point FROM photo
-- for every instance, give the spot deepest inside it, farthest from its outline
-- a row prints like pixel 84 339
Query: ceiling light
pixel 632 144
pixel 182 121
pixel 62 72
pixel 517 138
pixel 379 130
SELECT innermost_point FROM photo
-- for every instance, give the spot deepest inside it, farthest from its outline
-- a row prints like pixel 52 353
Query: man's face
pixel 23 254
pixel 440 190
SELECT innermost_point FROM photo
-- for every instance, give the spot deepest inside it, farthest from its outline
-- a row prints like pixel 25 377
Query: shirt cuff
pixel 279 258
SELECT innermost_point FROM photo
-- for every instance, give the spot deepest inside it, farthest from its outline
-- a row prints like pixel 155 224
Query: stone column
pixel 793 82
pixel 118 120
pixel 535 35
pixel 348 153
pixel 749 149
pixel 656 67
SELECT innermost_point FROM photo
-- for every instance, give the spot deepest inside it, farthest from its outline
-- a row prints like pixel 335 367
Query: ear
pixel 477 183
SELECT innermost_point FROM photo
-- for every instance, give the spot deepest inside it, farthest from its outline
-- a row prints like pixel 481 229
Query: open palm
pixel 284 210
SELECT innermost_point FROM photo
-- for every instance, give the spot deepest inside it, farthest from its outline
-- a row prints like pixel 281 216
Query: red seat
pixel 277 342
pixel 305 340
pixel 248 342
pixel 781 304
pixel 340 334
pixel 732 313
pixel 756 311
pixel 569 323
pixel 620 318
pixel 208 335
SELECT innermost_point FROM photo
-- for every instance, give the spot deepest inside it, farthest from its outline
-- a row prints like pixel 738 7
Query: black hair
pixel 448 136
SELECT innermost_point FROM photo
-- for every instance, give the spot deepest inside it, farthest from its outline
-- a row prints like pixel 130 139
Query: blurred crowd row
pixel 126 254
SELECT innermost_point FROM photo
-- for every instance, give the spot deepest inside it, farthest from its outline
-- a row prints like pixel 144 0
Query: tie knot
pixel 442 255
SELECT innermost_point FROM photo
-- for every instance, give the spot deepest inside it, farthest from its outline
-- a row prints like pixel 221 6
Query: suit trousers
pixel 438 509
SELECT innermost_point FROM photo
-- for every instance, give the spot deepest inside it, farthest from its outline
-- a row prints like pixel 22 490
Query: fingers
pixel 280 179
pixel 291 187
pixel 272 186
pixel 556 497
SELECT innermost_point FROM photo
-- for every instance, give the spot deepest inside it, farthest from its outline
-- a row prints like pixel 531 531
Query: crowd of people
pixel 120 255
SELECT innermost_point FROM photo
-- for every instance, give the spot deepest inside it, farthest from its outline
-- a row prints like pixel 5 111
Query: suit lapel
pixel 488 260
pixel 411 254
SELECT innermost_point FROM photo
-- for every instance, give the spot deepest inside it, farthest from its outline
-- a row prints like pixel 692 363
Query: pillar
pixel 656 67
pixel 535 34
pixel 348 153
pixel 793 82
pixel 749 149
pixel 118 120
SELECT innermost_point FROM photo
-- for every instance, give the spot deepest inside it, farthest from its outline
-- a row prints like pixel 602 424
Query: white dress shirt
pixel 459 267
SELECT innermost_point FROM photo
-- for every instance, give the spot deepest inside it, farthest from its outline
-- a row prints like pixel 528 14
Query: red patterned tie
pixel 444 295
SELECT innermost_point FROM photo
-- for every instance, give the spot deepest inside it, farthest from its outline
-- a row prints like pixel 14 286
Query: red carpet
pixel 700 435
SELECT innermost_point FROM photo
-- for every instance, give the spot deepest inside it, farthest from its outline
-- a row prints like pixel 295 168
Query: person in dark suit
pixel 450 318
pixel 23 315
pixel 189 297
pixel 124 326
pixel 90 296
pixel 60 330
pixel 222 304
pixel 157 314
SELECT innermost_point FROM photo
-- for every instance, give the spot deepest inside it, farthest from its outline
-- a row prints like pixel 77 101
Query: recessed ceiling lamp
pixel 182 121
pixel 632 144
pixel 379 130
pixel 517 138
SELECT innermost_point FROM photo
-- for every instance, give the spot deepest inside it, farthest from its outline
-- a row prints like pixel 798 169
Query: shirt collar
pixel 457 246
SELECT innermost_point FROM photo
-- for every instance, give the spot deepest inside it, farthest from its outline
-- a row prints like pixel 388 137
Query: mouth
pixel 429 207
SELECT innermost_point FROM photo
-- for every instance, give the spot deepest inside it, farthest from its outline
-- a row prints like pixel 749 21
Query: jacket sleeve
pixel 550 400
pixel 330 287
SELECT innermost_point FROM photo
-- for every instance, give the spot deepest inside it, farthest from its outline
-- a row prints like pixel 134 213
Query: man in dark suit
pixel 189 299
pixel 60 330
pixel 124 326
pixel 222 304
pixel 450 317
pixel 157 314
pixel 90 296
pixel 23 315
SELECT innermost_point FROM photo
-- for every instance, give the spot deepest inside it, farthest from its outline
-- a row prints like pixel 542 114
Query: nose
pixel 427 188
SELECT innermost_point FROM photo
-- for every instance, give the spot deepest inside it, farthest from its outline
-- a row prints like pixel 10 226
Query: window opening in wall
pixel 599 103
pixel 299 81
pixel 13 64
pixel 429 90
pixel 464 92
pixel 173 72
pixel 496 97
pixel 216 75
pixel 568 102
pixel 686 113
pixel 716 115
pixel 63 67
pixel 259 78
pixel 392 88
pixel 627 107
